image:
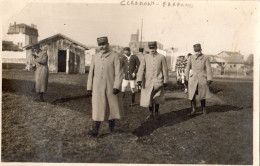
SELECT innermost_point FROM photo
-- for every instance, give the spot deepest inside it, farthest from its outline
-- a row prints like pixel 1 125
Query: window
pixel 230 66
pixel 234 65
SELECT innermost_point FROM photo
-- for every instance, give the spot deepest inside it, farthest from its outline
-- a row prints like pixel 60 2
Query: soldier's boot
pixel 151 115
pixel 123 94
pixel 133 99
pixel 111 125
pixel 157 111
pixel 193 107
pixel 40 99
pixel 203 106
pixel 94 131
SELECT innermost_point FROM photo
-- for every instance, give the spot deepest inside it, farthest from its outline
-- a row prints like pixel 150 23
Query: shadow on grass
pixel 174 117
pixel 54 94
pixel 66 99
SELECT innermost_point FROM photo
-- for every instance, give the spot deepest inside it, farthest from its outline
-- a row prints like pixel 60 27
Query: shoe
pixel 193 107
pixel 39 100
pixel 111 125
pixel 193 112
pixel 204 110
pixel 93 132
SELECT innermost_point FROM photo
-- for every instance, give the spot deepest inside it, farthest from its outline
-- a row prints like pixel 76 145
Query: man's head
pixel 197 48
pixel 141 50
pixel 127 51
pixel 103 43
pixel 152 46
pixel 189 54
pixel 36 49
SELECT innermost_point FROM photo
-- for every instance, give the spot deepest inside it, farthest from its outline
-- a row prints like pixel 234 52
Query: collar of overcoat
pixel 200 57
pixel 105 54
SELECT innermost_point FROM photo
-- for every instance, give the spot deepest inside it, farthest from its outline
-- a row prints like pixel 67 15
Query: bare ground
pixel 56 130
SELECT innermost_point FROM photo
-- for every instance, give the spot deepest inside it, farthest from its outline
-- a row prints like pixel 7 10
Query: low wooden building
pixel 64 54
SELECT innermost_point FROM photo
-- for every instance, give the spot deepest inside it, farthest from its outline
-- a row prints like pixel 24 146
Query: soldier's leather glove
pixel 139 83
pixel 165 85
pixel 209 82
pixel 115 91
pixel 89 92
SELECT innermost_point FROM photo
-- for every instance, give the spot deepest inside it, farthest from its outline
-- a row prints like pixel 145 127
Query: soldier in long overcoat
pixel 104 81
pixel 199 80
pixel 41 72
pixel 154 69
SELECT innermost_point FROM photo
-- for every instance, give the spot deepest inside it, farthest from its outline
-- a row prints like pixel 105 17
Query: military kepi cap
pixel 126 49
pixel 141 49
pixel 102 40
pixel 197 45
pixel 152 44
pixel 36 47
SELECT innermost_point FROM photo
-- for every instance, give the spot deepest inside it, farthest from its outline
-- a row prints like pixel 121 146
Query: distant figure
pixel 104 81
pixel 154 68
pixel 130 67
pixel 140 56
pixel 186 61
pixel 41 71
pixel 199 80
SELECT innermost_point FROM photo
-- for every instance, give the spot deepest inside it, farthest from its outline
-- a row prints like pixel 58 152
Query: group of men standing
pixel 110 72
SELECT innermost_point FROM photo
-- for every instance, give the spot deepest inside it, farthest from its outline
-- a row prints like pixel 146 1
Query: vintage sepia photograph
pixel 130 82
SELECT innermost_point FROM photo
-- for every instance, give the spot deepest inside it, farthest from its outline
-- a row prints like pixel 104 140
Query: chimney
pixel 32 25
pixel 14 23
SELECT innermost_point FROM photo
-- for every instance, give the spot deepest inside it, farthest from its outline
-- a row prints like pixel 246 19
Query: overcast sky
pixel 217 26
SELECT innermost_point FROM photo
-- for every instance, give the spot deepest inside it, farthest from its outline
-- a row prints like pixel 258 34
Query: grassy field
pixel 56 130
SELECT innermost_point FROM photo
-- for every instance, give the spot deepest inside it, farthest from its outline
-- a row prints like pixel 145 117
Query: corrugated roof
pixel 22 28
pixel 56 36
pixel 9 46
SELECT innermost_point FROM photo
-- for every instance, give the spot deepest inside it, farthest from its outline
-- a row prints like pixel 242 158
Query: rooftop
pixel 51 38
pixel 23 28
pixel 9 46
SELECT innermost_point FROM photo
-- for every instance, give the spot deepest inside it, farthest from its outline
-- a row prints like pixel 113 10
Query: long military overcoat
pixel 42 72
pixel 105 74
pixel 201 73
pixel 155 72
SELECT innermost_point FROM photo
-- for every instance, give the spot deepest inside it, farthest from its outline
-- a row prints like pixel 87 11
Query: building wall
pixel 17 39
pixel 30 39
pixel 13 57
pixel 88 56
pixel 22 40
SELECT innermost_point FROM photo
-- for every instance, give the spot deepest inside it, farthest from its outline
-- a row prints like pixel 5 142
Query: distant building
pixel 135 44
pixel 65 54
pixel 227 62
pixel 22 34
pixel 11 53
pixel 10 46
